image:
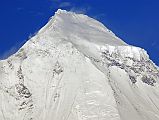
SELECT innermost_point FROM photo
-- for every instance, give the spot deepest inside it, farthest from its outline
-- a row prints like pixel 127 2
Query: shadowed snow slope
pixel 74 68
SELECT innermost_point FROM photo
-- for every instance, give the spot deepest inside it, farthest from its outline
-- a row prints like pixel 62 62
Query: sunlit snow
pixel 74 68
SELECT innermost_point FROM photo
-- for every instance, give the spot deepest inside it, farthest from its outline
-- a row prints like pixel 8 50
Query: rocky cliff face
pixel 74 68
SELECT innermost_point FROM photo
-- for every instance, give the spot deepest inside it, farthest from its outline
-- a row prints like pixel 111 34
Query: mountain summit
pixel 74 68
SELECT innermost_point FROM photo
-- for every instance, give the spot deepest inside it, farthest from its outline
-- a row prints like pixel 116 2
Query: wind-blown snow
pixel 77 69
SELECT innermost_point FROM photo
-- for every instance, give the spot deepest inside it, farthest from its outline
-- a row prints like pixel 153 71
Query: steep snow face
pixel 54 82
pixel 82 31
pixel 134 80
pixel 77 69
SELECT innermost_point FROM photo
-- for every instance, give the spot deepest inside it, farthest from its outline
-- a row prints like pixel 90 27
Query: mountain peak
pixel 75 68
pixel 92 33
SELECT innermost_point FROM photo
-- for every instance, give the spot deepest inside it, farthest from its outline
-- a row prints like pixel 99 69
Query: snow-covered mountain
pixel 74 68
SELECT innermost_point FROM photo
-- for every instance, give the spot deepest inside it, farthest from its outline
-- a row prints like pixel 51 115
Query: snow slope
pixel 74 68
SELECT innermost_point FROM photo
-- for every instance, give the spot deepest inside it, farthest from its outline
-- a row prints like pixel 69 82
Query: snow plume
pixel 65 4
pixel 9 52
pixel 71 6
pixel 80 10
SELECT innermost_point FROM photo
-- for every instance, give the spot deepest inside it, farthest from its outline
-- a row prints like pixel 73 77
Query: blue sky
pixel 135 21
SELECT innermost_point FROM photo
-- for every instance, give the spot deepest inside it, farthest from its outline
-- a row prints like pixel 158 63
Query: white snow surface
pixel 74 68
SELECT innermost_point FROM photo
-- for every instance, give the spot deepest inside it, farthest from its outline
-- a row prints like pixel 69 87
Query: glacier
pixel 75 68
